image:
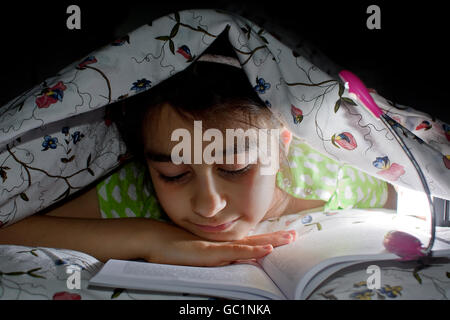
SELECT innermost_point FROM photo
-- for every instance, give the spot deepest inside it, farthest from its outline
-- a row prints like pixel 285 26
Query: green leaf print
pixel 418 278
pixel 333 138
pixel 349 101
pixel 24 196
pixel 341 89
pixel 319 226
pixel 20 273
pixel 174 31
pixel 17 273
pixel 337 105
pixel 172 46
pixel 117 292
pixel 63 195
pixel 163 38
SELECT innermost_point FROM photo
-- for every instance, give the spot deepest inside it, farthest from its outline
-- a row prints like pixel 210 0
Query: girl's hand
pixel 179 247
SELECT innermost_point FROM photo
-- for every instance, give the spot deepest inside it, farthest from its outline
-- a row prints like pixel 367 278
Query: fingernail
pixel 293 233
pixel 287 236
pixel 268 247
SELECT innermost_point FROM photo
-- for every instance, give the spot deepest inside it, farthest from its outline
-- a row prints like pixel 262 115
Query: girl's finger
pixel 227 253
pixel 278 238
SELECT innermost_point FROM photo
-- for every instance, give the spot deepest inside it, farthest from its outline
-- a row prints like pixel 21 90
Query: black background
pixel 406 61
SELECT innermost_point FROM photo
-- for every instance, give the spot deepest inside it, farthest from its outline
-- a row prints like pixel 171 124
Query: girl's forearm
pixel 391 202
pixel 102 238
pixel 133 238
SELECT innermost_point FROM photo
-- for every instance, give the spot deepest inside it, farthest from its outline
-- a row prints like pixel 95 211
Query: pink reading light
pixel 402 244
pixel 358 90
pixel 406 246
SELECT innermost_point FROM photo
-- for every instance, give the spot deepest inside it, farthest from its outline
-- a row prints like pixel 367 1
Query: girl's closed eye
pixel 235 172
pixel 168 171
pixel 173 178
pixel 229 171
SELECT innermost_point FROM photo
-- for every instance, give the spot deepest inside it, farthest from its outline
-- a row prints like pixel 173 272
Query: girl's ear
pixel 286 138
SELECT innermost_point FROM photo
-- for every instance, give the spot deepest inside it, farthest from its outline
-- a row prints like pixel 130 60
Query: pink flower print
pixel 121 41
pixel 424 125
pixel 124 157
pixel 392 173
pixel 297 114
pixel 107 118
pixel 85 62
pixel 51 95
pixel 446 160
pixel 344 140
pixel 397 119
pixel 63 295
pixel 186 53
pixel 288 222
pixel 446 129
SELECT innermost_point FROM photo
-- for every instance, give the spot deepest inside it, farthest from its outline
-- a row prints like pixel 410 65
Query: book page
pixel 325 240
pixel 242 281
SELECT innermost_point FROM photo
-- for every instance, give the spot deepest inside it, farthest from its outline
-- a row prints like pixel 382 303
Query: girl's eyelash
pixel 236 172
pixel 178 177
pixel 172 179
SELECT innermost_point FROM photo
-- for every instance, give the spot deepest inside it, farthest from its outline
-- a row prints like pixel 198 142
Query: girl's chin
pixel 233 231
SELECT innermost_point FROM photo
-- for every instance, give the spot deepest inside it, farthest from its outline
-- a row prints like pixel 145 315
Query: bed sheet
pixel 400 281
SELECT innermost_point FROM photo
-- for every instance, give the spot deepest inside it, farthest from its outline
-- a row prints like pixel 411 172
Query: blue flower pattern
pixel 76 136
pixel 141 85
pixel 49 143
pixel 261 85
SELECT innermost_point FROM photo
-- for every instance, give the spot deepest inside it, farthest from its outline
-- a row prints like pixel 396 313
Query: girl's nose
pixel 207 201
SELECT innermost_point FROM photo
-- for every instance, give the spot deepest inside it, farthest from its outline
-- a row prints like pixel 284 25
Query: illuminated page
pixel 332 241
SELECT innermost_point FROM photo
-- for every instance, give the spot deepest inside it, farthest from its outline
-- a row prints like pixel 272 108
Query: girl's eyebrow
pixel 162 157
pixel 157 157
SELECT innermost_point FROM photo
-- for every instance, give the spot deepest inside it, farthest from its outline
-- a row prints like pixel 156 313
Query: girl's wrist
pixel 147 239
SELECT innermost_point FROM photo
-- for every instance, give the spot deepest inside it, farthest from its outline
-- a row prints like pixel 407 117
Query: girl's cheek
pixel 173 203
pixel 168 194
pixel 255 196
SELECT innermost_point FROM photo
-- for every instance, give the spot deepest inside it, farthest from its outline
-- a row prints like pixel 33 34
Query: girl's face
pixel 220 202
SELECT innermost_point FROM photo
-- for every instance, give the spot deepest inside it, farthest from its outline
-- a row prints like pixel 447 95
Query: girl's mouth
pixel 217 228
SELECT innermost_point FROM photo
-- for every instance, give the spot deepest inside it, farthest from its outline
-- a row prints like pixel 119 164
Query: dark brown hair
pixel 218 94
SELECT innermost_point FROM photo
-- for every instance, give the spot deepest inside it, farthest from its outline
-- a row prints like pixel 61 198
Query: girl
pixel 200 214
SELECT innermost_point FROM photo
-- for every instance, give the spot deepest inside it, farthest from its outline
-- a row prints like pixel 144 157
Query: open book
pixel 326 243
